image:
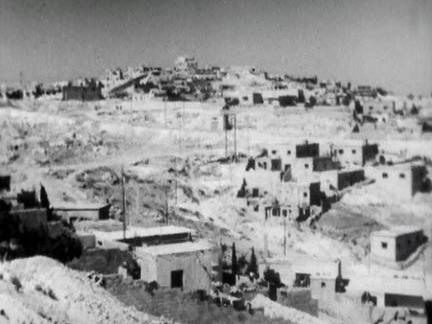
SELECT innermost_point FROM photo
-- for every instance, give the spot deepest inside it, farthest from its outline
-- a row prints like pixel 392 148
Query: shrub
pixel 16 282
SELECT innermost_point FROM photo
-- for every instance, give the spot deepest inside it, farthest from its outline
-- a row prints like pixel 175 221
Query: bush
pixel 16 282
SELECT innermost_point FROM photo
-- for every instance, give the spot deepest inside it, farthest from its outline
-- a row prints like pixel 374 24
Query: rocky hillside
pixel 41 290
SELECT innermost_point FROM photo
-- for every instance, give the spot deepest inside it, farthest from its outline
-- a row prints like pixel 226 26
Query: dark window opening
pixel 255 192
pixel 276 165
pixel 264 165
pixel 289 152
pixel 306 166
pixel 284 212
pixel 354 151
pixel 384 245
pixel 276 212
pixel 385 175
pixel 177 279
pixel 305 194
pixel 323 284
pixel 402 175
pixel 274 152
pixel 341 151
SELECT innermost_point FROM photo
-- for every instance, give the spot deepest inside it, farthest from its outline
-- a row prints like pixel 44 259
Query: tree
pixel 234 266
pixel 44 201
pixel 253 264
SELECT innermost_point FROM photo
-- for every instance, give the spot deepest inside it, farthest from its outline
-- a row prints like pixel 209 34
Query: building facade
pixel 396 244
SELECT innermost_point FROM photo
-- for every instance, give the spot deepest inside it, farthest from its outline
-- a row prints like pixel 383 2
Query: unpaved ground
pixel 171 156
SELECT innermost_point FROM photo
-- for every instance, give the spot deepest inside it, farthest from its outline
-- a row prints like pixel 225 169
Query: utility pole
pixel 235 137
pixel 166 204
pixel 285 235
pixel 123 202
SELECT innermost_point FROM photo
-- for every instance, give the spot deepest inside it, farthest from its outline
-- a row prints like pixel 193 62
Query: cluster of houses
pixel 295 177
pixel 244 86
pixel 288 180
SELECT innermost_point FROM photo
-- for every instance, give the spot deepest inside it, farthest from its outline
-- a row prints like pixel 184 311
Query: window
pixel 284 213
pixel 385 175
pixel 323 284
pixel 340 151
pixel 305 194
pixel 274 152
pixel 354 151
pixel 402 175
pixel 289 152
pixel 245 98
pixel 275 212
pixel 384 245
pixel 264 165
pixel 306 166
pixel 177 279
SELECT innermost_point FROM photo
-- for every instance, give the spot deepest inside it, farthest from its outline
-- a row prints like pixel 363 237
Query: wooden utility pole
pixel 166 204
pixel 226 142
pixel 123 202
pixel 285 235
pixel 235 137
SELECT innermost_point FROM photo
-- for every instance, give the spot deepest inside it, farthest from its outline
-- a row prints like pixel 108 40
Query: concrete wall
pixel 323 288
pixel 407 244
pixel 383 247
pixel 349 177
pixel 302 168
pixel 397 181
pixel 398 248
pixel 349 155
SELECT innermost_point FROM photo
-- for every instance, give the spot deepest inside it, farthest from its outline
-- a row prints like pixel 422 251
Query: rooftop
pixel 78 206
pixel 132 232
pixel 397 231
pixel 176 248
pixel 387 284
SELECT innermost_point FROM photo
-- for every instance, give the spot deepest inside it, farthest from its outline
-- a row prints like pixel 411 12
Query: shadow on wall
pixel 428 311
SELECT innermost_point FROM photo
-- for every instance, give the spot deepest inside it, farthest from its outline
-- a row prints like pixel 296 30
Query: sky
pixel 384 43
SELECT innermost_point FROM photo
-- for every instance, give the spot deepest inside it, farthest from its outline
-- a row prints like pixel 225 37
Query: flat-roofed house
pixel 402 180
pixel 73 212
pixel 395 244
pixel 341 179
pixel 300 193
pixel 139 236
pixel 355 154
pixel 185 265
pixel 278 213
pixel 391 292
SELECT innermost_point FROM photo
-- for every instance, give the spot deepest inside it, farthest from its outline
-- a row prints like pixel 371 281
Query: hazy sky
pixel 382 42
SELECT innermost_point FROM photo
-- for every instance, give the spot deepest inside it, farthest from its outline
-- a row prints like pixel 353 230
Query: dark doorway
pixel 177 279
